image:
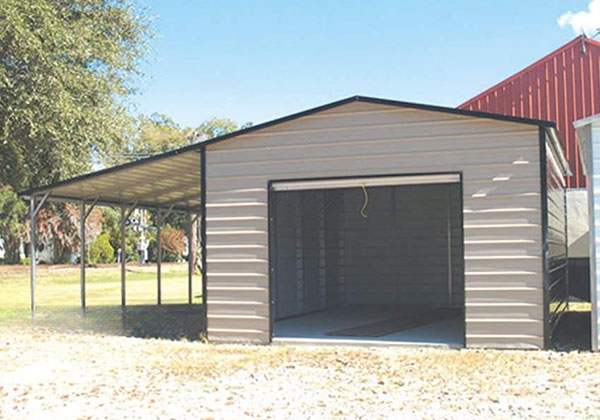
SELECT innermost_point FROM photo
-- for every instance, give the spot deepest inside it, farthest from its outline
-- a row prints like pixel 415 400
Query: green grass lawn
pixel 58 293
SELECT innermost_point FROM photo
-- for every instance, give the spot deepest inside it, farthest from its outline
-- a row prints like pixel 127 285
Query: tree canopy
pixel 216 127
pixel 67 71
pixel 67 68
pixel 159 133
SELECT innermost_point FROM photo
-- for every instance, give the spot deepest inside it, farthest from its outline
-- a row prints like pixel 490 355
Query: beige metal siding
pixel 501 187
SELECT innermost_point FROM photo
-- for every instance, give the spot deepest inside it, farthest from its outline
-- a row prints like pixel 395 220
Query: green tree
pixel 67 70
pixel 216 127
pixel 158 133
pixel 154 134
pixel 12 210
pixel 101 251
pixel 111 225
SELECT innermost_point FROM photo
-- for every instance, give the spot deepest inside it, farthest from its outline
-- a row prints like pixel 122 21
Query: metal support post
pixel 191 253
pixel 82 256
pixel 33 212
pixel 449 240
pixel 203 237
pixel 33 252
pixel 158 262
pixel 161 217
pixel 125 214
pixel 123 258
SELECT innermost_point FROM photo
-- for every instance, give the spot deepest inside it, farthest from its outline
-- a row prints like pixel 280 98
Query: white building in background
pixel 588 136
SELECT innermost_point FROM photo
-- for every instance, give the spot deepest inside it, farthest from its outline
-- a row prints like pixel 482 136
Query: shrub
pixel 26 261
pixel 101 251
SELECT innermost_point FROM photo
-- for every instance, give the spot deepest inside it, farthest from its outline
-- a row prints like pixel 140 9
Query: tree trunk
pixel 196 249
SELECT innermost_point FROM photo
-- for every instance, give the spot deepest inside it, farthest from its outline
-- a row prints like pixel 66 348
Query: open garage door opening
pixel 367 260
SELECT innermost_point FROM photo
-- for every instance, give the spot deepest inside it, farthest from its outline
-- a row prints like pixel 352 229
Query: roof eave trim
pixel 585 121
pixel 112 203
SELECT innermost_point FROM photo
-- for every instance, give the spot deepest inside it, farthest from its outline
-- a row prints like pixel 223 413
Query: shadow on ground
pixel 172 321
pixel 573 332
pixel 184 321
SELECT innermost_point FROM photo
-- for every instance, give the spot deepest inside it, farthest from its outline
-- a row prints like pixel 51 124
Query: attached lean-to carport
pixel 166 183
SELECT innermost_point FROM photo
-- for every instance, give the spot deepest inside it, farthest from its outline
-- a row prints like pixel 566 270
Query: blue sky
pixel 258 60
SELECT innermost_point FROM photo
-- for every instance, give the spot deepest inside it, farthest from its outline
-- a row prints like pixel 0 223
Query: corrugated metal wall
pixel 302 258
pixel 563 87
pixel 502 207
pixel 556 207
pixel 397 255
pixel 594 211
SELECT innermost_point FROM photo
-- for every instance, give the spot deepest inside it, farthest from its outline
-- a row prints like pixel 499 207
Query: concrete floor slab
pixel 313 328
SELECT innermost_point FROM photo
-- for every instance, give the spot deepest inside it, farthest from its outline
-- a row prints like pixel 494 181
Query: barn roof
pixel 562 86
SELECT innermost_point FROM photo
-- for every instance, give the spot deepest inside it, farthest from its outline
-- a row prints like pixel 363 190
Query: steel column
pixel 449 240
pixel 158 261
pixel 123 258
pixel 82 256
pixel 33 252
pixel 33 212
pixel 203 236
pixel 191 253
pixel 160 218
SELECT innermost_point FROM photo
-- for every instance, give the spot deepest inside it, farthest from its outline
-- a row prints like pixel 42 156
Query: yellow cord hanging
pixel 366 203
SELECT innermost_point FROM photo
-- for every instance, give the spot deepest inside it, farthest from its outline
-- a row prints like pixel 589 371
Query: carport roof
pixel 173 179
pixel 161 181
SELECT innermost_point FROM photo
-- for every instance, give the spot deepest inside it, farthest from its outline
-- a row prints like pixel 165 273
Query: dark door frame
pixel 271 215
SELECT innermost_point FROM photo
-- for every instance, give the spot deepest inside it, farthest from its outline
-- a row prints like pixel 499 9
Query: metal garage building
pixel 368 220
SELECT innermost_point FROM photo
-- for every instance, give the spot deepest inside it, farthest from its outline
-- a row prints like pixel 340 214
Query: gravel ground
pixel 57 375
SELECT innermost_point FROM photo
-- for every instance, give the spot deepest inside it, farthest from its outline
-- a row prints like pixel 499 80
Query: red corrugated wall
pixel 564 86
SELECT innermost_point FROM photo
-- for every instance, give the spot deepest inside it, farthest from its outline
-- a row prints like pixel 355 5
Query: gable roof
pixel 381 101
pixel 153 183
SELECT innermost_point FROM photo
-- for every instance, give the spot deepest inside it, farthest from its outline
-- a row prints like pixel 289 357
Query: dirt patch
pixel 46 374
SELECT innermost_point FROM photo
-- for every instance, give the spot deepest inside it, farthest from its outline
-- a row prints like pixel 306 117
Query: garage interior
pixel 376 259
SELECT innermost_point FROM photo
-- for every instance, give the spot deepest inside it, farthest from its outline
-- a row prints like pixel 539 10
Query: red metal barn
pixel 564 87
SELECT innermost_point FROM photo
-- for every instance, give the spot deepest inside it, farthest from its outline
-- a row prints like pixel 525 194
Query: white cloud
pixel 584 21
